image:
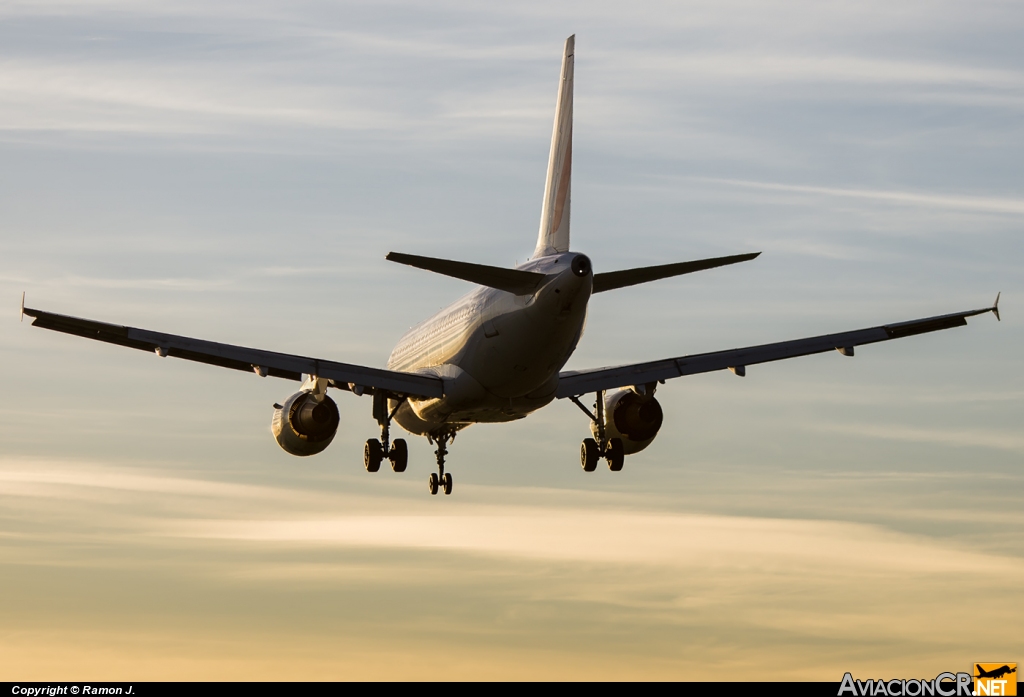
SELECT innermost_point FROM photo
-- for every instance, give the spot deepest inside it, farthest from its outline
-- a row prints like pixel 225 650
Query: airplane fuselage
pixel 498 354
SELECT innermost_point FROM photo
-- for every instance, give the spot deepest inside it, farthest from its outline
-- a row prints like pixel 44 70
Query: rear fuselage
pixel 499 354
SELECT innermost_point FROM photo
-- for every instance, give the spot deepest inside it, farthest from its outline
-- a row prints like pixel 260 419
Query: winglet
pixel 22 307
pixel 995 306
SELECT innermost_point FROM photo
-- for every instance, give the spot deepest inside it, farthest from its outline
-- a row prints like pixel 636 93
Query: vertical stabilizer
pixel 554 214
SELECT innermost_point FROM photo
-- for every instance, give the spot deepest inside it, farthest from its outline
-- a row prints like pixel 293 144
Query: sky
pixel 237 172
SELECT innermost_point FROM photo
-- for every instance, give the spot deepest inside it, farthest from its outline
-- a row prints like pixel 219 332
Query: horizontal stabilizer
pixel 646 274
pixel 510 280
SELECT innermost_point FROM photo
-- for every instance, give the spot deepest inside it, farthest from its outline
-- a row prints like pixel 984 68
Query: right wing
pixel 575 383
pixel 279 365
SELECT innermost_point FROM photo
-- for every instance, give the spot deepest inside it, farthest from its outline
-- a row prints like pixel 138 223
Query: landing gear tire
pixel 446 482
pixel 432 483
pixel 373 455
pixel 589 454
pixel 399 455
pixel 615 454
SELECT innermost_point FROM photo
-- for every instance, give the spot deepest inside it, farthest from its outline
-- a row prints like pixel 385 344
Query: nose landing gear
pixel 375 450
pixel 443 483
pixel 441 480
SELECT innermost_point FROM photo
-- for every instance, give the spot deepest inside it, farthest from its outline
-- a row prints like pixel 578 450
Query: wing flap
pixel 281 365
pixel 573 383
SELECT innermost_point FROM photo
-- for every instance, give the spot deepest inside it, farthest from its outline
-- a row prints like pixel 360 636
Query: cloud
pixel 182 97
pixel 560 588
pixel 620 538
pixel 986 204
pixel 818 67
pixel 560 533
pixel 964 438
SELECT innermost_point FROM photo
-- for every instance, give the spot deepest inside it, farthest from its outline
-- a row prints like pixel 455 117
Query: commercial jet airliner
pixel 497 353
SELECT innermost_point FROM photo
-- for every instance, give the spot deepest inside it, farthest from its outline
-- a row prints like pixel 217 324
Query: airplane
pixel 496 354
pixel 995 673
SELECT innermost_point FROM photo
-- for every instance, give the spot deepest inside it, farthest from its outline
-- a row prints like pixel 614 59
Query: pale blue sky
pixel 237 172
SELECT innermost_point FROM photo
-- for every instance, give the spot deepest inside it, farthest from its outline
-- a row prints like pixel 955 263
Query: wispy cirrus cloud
pixel 986 204
pixel 960 437
pixel 564 532
pixel 507 575
pixel 617 538
pixel 185 98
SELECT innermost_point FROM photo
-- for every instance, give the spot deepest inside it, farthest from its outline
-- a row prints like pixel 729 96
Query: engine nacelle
pixel 303 426
pixel 634 418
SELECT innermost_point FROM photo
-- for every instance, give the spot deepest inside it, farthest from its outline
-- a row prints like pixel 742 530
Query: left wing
pixel 573 383
pixel 280 365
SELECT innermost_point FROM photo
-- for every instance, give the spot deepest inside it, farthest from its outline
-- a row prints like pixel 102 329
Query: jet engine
pixel 633 417
pixel 304 426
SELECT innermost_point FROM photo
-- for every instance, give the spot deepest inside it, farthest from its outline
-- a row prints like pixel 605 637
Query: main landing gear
pixel 441 480
pixel 593 450
pixel 375 451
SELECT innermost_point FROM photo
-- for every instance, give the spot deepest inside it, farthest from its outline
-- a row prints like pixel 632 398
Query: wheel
pixel 432 483
pixel 373 453
pixel 616 454
pixel 399 455
pixel 589 455
pixel 446 481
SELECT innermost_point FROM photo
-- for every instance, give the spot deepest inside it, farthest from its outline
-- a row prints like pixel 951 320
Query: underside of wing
pixel 574 383
pixel 258 361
